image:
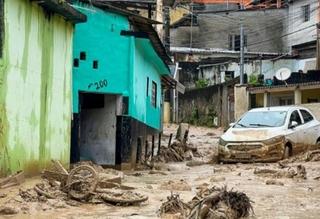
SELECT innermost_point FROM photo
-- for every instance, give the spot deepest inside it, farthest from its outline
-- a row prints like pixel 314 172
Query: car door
pixel 295 134
pixel 311 128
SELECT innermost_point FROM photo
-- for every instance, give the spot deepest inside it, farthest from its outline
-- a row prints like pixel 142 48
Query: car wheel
pixel 286 154
pixel 318 144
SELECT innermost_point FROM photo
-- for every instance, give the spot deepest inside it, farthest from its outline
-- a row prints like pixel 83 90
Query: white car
pixel 270 134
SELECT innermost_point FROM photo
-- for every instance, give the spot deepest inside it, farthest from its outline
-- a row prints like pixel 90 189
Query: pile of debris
pixel 85 183
pixel 210 203
pixel 179 150
pixel 176 152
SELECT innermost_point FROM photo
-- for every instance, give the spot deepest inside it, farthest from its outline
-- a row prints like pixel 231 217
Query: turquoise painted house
pixel 119 70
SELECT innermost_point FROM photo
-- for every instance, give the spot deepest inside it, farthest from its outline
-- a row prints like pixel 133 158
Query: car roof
pixel 277 108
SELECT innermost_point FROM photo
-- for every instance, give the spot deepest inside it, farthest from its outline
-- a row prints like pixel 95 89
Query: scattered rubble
pixel 274 182
pixel 194 163
pixel 176 152
pixel 85 183
pixel 157 172
pixel 309 156
pixel 289 172
pixel 217 179
pixel 177 185
pixel 8 210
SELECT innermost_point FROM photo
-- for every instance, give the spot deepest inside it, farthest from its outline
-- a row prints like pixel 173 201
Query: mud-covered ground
pixel 277 192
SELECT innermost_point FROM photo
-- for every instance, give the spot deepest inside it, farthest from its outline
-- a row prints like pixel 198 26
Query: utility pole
pixel 241 49
pixel 241 53
pixel 191 24
pixel 166 11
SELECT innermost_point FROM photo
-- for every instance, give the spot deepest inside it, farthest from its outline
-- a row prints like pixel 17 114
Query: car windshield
pixel 262 119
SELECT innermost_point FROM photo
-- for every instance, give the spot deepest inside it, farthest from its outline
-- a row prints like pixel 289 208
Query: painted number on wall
pixel 99 84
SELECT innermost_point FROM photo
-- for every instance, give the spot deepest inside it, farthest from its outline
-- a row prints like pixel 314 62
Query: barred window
pixel 305 13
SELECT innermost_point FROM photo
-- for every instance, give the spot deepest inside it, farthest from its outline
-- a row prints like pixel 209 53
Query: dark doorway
pixel 94 129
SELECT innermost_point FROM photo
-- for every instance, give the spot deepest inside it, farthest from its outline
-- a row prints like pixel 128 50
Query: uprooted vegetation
pixel 210 203
pixel 177 151
pixel 174 206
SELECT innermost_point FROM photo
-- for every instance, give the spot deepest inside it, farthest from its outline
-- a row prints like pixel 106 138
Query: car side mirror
pixel 293 124
pixel 232 124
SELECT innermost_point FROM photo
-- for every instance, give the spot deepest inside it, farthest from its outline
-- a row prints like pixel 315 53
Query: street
pixel 291 198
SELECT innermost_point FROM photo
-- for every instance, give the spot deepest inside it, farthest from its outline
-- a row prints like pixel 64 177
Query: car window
pixel 295 117
pixel 262 119
pixel 307 117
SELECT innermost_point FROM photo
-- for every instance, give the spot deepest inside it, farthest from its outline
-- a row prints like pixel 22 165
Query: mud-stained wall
pixel 35 88
pixel 209 106
pixel 241 101
pixel 98 132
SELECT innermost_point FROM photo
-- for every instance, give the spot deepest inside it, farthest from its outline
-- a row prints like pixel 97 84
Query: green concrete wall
pixel 35 88
pixel 100 39
pixel 146 66
pixel 124 62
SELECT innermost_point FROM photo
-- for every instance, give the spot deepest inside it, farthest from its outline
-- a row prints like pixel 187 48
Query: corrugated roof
pixel 64 9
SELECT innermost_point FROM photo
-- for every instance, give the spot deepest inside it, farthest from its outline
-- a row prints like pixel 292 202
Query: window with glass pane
pixel 307 117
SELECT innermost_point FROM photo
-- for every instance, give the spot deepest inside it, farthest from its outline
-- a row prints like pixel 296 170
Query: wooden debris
pixel 182 132
pixel 51 175
pixel 43 193
pixel 12 180
pixel 58 166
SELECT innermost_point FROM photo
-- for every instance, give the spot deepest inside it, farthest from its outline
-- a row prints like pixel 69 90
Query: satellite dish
pixel 283 74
